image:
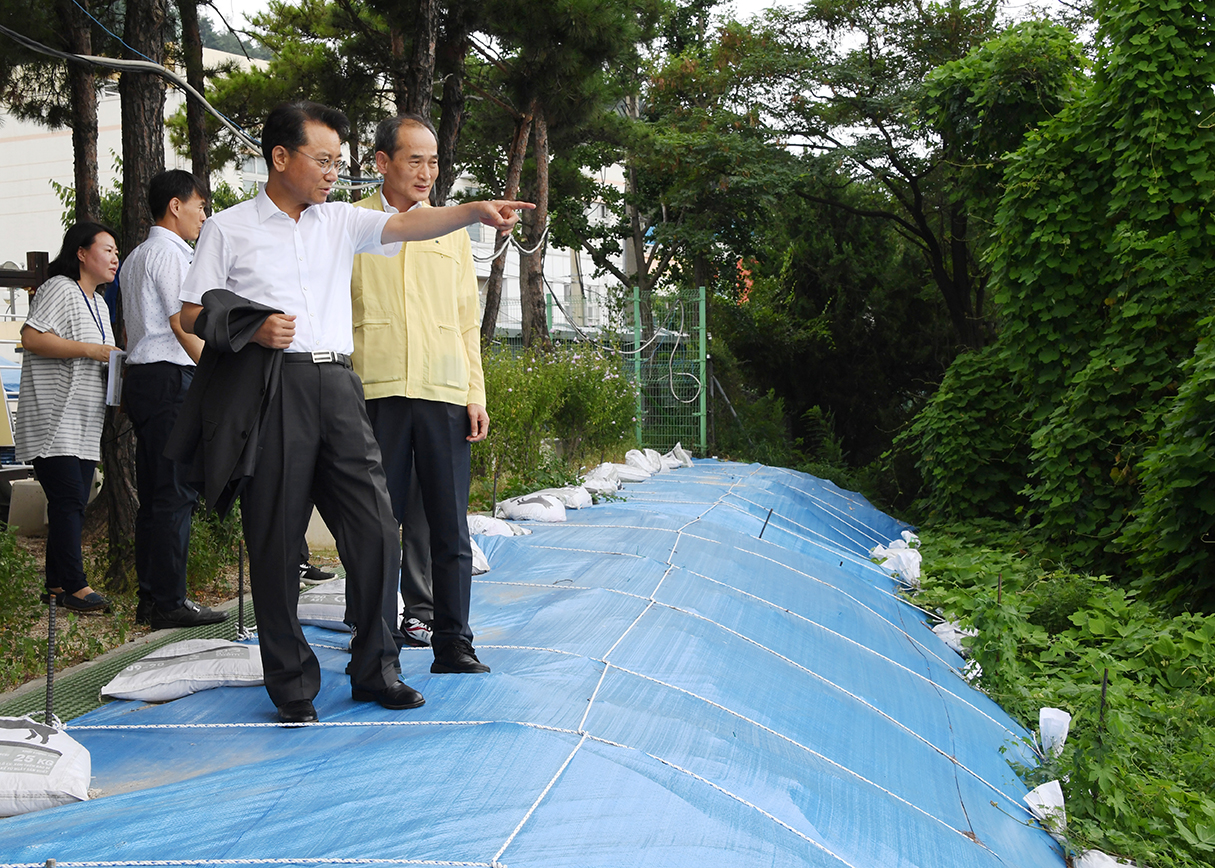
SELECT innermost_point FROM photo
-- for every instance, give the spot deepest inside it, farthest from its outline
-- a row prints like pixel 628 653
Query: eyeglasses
pixel 327 164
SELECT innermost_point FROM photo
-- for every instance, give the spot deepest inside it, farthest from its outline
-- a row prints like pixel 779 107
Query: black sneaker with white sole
pixel 311 575
pixel 417 632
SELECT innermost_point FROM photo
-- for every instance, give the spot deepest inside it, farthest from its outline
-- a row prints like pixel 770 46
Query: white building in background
pixel 33 156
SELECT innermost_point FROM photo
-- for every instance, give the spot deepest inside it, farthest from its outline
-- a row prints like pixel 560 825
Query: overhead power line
pixel 143 65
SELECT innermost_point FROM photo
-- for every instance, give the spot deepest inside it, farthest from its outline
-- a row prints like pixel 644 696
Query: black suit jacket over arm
pixel 218 429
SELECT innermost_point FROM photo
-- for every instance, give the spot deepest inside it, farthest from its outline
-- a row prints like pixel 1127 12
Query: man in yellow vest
pixel 417 348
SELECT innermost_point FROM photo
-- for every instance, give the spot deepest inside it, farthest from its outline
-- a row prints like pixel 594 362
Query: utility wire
pixel 143 65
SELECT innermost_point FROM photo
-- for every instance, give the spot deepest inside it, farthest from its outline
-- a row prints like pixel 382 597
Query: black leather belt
pixel 320 358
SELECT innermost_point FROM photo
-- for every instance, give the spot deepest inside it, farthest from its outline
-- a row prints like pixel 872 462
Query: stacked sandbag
pixel 677 457
pixel 186 667
pixel 602 480
pixel 571 496
pixel 480 563
pixel 325 606
pixel 488 526
pixel 40 767
pixel 955 636
pixel 901 559
pixel 531 507
pixel 644 459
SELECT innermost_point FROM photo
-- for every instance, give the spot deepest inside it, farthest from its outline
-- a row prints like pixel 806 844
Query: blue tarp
pixel 668 689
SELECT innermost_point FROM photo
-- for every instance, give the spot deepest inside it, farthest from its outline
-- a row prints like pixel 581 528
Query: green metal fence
pixel 669 364
pixel 661 341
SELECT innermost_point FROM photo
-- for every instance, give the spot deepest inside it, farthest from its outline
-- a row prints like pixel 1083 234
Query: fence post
pixel 548 311
pixel 637 358
pixel 704 377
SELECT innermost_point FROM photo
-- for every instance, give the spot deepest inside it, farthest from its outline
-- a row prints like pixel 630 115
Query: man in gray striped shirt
pixel 161 358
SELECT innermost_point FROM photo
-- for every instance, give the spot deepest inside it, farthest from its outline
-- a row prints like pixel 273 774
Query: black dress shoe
pixel 297 711
pixel 189 615
pixel 395 695
pixel 457 656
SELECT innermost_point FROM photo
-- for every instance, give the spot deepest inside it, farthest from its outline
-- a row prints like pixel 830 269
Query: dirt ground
pixel 84 637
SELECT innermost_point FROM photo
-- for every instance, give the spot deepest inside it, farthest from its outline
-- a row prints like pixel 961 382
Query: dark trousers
pixel 66 481
pixel 153 395
pixel 317 447
pixel 434 433
pixel 417 589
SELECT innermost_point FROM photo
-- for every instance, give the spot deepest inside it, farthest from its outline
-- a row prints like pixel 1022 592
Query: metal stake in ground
pixel 240 589
pixel 765 527
pixel 50 662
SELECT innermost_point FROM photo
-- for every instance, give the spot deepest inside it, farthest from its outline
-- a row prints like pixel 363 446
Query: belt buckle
pixel 323 357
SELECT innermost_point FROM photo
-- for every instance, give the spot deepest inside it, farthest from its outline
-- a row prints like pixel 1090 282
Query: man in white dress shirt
pixel 292 250
pixel 161 359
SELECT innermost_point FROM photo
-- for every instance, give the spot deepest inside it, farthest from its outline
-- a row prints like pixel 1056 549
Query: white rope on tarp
pixel 540 798
pixel 861 646
pixel 893 596
pixel 852 772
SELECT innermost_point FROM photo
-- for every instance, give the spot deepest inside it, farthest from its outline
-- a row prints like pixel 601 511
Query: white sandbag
pixel 677 457
pixel 649 460
pixel 480 561
pixel 954 635
pixel 902 561
pixel 40 767
pixel 602 480
pixel 186 667
pixel 487 526
pixel 631 473
pixel 911 539
pixel 571 497
pixel 325 606
pixel 1053 725
pixel 1046 803
pixel 531 507
pixel 598 486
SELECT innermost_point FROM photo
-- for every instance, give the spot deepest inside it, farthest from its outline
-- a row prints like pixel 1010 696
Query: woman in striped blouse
pixel 67 341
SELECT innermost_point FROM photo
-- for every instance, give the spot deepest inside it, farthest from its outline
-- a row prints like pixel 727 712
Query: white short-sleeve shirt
pixel 62 404
pixel 151 287
pixel 303 268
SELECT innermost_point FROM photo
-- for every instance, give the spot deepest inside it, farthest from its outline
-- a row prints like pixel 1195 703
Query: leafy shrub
pixel 575 395
pixel 1137 769
pixel 970 440
pixel 1173 529
pixel 1062 595
pixel 597 402
pixel 1101 268
pixel 214 544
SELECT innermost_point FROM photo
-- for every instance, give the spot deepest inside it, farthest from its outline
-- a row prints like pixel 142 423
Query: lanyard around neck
pixel 96 315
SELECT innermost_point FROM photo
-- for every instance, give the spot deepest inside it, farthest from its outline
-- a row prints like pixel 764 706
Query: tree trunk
pixel 420 75
pixel 196 116
pixel 83 94
pixel 143 156
pixel 531 265
pixel 449 60
pixel 641 275
pixel 514 171
pixel 396 46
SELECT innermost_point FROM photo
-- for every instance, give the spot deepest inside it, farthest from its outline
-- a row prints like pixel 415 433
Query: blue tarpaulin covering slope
pixel 668 689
